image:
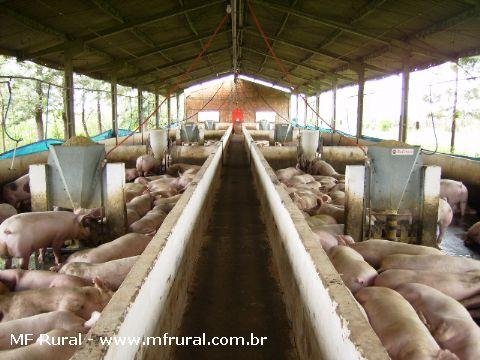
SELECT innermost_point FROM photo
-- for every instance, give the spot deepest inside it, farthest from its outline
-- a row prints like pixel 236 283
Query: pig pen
pixel 153 296
pixel 327 323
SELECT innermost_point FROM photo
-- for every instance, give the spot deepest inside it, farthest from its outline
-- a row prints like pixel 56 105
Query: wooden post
pixel 361 88
pixel 113 94
pixel 317 108
pixel 177 98
pixel 334 96
pixel 68 96
pixel 140 111
pixel 402 131
pixel 157 114
pixel 169 110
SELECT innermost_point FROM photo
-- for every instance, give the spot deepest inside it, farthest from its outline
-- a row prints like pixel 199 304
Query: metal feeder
pixel 75 177
pixel 264 124
pixel 283 133
pixel 393 196
pixel 190 133
pixel 209 125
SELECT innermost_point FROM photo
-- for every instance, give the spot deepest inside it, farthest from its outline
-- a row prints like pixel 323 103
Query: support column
pixel 177 98
pixel 140 111
pixel 361 88
pixel 169 110
pixel 157 114
pixel 113 93
pixel 305 100
pixel 402 131
pixel 454 112
pixel 334 106
pixel 317 109
pixel 68 96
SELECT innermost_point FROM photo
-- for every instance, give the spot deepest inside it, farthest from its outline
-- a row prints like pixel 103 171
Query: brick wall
pixel 251 98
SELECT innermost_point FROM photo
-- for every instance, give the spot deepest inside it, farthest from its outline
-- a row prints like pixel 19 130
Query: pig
pixel 135 188
pixel 112 273
pixel 166 186
pixel 131 174
pixel 150 223
pixel 147 164
pixel 125 246
pixel 327 240
pixel 18 279
pixel 471 302
pixel 445 216
pixel 397 325
pixel 180 168
pixel 321 167
pixel 17 192
pixel 334 229
pixel 374 250
pixel 45 347
pixel 473 234
pixel 440 263
pixel 40 324
pixel 141 204
pixel 338 187
pixel 23 234
pixel 300 179
pixel 166 208
pixel 305 200
pixel 182 182
pixel 82 301
pixel 338 198
pixel 335 211
pixel 6 211
pixel 132 216
pixel 459 286
pixel 355 272
pixel 448 321
pixel 456 194
pixel 159 200
pixel 285 175
pixel 321 219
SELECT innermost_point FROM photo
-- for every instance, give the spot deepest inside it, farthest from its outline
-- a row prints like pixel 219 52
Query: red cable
pixel 287 75
pixel 175 86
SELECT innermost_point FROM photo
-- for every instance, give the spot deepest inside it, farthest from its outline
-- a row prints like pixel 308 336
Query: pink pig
pixel 23 234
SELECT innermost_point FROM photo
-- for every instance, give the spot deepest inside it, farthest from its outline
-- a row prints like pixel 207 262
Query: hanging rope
pixel 177 83
pixel 287 75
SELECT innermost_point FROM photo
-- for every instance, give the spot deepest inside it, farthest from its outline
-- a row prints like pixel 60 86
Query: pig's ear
pixel 93 319
pixel 100 285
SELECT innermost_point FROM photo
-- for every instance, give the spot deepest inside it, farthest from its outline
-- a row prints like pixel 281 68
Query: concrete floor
pixel 235 292
pixel 453 243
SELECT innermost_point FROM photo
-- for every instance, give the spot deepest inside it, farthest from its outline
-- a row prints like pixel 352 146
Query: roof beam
pixel 348 28
pixel 153 51
pixel 325 53
pixel 107 7
pixel 449 22
pixel 171 64
pixel 194 31
pixel 325 22
pixel 296 63
pixel 33 24
pixel 280 30
pixel 165 79
pixel 198 80
pixel 38 26
pixel 99 34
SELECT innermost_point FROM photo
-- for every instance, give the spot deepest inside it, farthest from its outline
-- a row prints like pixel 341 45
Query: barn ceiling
pixel 151 43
